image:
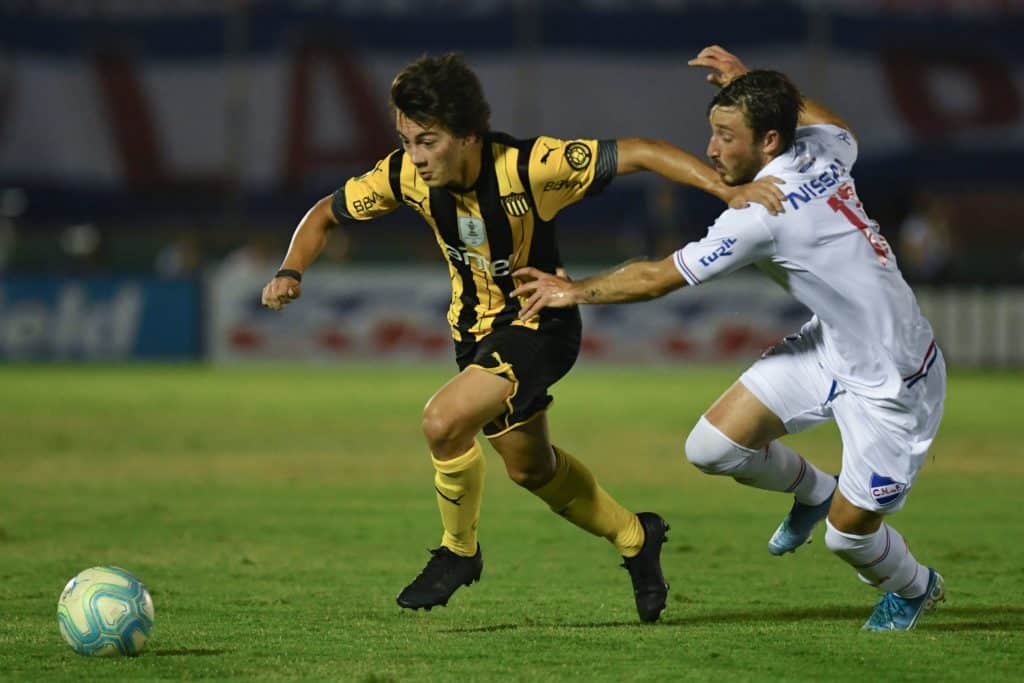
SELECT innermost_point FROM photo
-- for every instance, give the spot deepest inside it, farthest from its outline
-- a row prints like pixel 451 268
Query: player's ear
pixel 771 145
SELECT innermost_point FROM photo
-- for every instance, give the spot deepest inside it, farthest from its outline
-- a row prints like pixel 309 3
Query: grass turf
pixel 275 513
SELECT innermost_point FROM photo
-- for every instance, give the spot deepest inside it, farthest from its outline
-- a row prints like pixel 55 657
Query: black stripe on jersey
pixel 442 208
pixel 395 174
pixel 543 249
pixel 499 232
pixel 543 245
pixel 523 166
pixel 606 167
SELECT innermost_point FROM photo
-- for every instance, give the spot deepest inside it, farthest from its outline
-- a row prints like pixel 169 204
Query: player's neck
pixel 469 173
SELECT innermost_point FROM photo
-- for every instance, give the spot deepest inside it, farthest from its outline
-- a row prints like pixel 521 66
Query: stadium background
pixel 155 157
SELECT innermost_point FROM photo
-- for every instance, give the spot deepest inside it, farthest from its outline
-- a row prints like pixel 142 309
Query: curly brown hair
pixel 442 90
pixel 768 100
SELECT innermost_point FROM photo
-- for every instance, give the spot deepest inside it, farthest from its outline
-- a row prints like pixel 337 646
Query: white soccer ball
pixel 105 612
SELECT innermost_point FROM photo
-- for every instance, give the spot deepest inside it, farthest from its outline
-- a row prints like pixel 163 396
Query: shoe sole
pixel 780 553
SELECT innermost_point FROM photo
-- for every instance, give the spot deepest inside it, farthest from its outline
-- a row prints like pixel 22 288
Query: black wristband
pixel 288 272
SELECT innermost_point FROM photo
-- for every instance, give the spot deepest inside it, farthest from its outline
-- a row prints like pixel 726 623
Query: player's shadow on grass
pixel 992 619
pixel 996 619
pixel 189 652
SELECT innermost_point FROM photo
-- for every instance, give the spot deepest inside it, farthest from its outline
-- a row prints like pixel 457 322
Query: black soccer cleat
pixel 649 587
pixel 444 574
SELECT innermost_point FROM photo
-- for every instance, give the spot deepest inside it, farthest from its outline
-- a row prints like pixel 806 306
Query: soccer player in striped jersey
pixel 491 201
pixel 867 358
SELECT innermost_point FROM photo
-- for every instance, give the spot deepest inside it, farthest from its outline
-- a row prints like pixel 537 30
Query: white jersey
pixel 827 252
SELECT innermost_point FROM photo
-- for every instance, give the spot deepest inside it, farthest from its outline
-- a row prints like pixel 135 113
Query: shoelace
pixel 890 608
pixel 436 567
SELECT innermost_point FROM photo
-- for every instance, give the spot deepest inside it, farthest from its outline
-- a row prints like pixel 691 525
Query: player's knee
pixel 712 452
pixel 839 542
pixel 530 474
pixel 443 431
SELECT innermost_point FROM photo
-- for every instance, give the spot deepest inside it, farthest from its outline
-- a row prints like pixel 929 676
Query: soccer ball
pixel 104 612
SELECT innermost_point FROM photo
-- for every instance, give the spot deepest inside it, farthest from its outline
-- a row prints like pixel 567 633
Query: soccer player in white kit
pixel 867 358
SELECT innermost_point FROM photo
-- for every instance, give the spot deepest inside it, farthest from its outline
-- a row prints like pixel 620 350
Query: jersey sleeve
pixel 375 193
pixel 562 172
pixel 738 238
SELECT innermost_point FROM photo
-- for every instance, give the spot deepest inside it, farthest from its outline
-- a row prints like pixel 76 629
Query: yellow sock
pixel 460 487
pixel 575 494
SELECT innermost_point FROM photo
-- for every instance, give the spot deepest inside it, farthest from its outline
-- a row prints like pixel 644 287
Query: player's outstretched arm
pixel 308 241
pixel 633 281
pixel 668 161
pixel 727 67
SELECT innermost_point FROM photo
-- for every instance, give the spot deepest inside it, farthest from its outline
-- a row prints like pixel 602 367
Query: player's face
pixel 440 158
pixel 732 149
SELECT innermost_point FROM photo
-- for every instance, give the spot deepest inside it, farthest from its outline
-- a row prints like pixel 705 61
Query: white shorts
pixel 884 442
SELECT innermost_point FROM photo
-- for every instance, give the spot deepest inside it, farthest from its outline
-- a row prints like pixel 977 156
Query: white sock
pixel 881 559
pixel 781 464
pixel 774 468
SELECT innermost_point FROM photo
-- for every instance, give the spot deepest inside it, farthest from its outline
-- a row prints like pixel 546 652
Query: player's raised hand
pixel 764 191
pixel 544 291
pixel 280 292
pixel 725 66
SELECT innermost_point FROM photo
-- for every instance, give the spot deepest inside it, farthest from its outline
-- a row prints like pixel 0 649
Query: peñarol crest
pixel 515 204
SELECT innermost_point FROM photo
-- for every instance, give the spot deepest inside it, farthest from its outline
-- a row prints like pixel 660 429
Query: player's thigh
pixel 790 382
pixel 885 444
pixel 531 360
pixel 467 402
pixel 744 419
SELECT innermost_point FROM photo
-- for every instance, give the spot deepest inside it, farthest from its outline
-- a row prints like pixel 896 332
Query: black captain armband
pixel 288 272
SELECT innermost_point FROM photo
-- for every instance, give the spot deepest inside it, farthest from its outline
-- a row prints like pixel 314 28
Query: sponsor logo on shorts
pixel 886 491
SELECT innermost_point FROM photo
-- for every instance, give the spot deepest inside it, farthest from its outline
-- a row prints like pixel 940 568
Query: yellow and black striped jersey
pixel 504 222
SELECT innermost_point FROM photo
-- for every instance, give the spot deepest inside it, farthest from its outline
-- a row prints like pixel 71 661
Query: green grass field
pixel 274 514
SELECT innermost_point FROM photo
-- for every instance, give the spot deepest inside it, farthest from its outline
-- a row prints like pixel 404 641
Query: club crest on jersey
pixel 886 491
pixel 515 204
pixel 472 231
pixel 578 155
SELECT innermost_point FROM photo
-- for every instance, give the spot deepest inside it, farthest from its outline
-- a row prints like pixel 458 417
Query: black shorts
pixel 532 360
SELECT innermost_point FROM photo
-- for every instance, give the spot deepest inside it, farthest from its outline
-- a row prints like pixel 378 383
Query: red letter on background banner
pixel 134 131
pixel 373 137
